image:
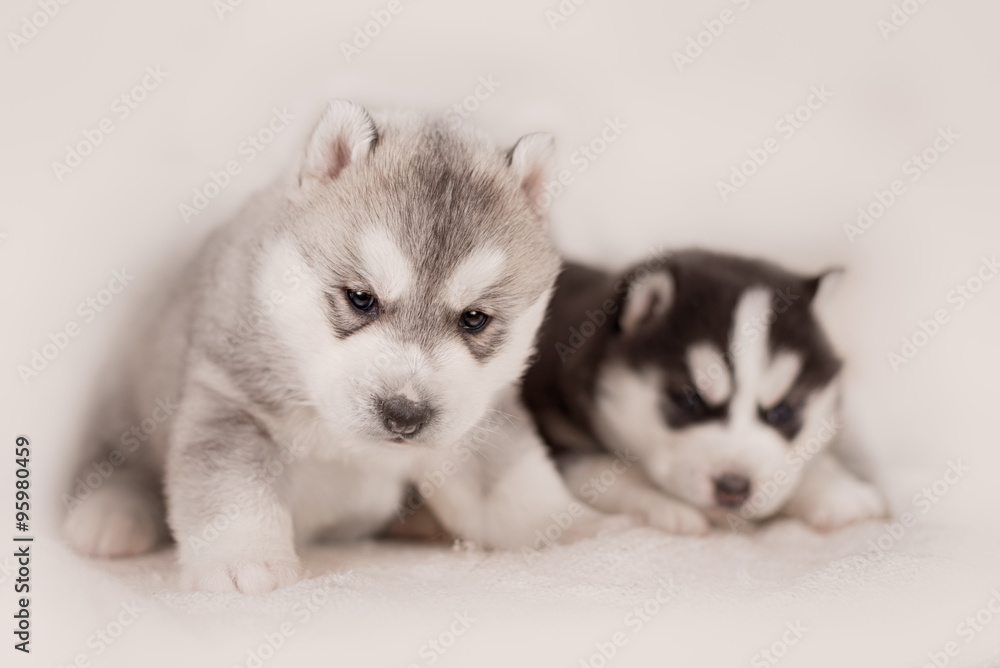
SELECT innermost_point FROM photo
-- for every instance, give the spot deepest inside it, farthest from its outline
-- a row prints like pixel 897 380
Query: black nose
pixel 402 416
pixel 731 490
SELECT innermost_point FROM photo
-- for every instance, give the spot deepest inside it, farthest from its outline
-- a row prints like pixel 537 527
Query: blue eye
pixel 780 414
pixel 474 320
pixel 363 301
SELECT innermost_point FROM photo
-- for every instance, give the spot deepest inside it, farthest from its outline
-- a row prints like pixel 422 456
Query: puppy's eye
pixel 689 401
pixel 473 320
pixel 781 414
pixel 361 300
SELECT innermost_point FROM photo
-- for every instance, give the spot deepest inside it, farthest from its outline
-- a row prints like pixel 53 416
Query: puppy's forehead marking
pixel 710 372
pixel 748 349
pixel 779 377
pixel 384 264
pixel 479 271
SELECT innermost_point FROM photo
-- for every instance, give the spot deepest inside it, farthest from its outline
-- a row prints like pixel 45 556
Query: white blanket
pixel 642 597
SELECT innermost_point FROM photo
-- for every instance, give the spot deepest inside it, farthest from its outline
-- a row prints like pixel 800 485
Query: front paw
pixel 844 505
pixel 251 575
pixel 677 518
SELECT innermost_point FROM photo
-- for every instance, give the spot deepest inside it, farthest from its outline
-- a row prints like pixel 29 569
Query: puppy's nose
pixel 731 490
pixel 402 416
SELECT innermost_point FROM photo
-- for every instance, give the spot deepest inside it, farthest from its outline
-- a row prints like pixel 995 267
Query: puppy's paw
pixel 846 504
pixel 677 518
pixel 252 575
pixel 114 522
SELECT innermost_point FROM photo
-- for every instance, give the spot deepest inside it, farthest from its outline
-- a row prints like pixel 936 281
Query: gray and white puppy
pixel 360 328
pixel 696 387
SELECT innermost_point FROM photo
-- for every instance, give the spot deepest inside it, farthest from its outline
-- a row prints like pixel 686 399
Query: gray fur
pixel 250 405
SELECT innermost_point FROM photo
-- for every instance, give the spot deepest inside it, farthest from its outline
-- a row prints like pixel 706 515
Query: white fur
pixel 115 522
pixel 710 373
pixel 507 490
pixel 627 413
pixel 385 266
pixel 748 348
pixel 830 497
pixel 477 273
pixel 778 378
pixel 347 498
pixel 630 491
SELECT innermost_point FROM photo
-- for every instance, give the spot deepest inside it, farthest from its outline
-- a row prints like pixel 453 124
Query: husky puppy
pixel 357 331
pixel 698 387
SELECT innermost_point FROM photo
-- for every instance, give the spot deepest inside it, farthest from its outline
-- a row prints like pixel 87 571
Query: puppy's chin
pixel 400 444
pixel 723 515
pixel 383 441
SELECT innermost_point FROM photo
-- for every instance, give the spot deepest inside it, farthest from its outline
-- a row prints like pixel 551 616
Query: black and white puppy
pixel 698 387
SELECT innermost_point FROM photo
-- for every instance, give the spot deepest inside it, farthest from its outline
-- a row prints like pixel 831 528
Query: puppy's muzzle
pixel 731 491
pixel 403 417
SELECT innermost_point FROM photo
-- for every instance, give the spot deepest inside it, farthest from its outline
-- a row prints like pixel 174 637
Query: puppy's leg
pixel 123 517
pixel 510 489
pixel 613 486
pixel 829 496
pixel 228 514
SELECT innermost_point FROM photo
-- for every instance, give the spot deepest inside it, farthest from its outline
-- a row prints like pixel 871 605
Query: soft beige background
pixel 653 187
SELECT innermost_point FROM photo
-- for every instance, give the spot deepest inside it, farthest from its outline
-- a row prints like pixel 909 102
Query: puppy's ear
pixel 649 297
pixel 819 290
pixel 346 134
pixel 530 160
